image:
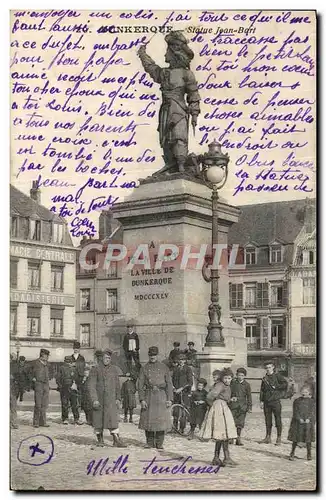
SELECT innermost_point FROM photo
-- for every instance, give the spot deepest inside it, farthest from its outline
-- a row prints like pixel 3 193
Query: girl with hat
pixel 219 424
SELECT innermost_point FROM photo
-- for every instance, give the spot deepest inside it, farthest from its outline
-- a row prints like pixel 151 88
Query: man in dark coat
pixel 40 381
pixel 13 393
pixel 155 394
pixel 174 353
pixel 131 347
pixel 67 386
pixel 273 387
pixel 182 380
pixel 240 402
pixel 23 383
pixel 104 390
pixel 80 364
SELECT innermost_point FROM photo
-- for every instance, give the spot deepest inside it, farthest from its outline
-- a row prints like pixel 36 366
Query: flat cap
pixel 191 343
pixel 44 351
pixel 76 344
pixel 242 370
pixel 176 344
pixel 153 351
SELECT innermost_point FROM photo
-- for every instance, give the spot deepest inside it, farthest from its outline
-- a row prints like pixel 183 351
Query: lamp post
pixel 17 345
pixel 214 172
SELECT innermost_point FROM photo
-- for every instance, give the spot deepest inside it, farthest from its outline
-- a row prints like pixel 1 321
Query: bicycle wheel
pixel 180 419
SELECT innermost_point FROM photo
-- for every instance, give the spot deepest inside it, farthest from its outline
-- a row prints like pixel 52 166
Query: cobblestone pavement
pixel 260 466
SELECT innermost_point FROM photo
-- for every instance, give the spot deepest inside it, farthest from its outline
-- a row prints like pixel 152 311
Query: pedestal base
pixel 213 358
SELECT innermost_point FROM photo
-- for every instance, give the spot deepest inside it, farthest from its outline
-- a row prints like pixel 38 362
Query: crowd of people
pixel 219 412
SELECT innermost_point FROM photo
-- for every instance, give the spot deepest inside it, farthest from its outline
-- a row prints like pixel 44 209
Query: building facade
pixel 42 279
pixel 273 298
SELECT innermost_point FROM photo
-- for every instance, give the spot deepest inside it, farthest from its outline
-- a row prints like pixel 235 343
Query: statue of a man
pixel 180 98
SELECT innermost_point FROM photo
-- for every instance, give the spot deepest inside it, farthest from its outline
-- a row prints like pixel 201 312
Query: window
pixel 111 300
pixel 278 333
pixel 252 333
pixel 309 291
pixel 112 270
pixel 236 295
pixel 13 273
pixel 275 254
pixel 311 257
pixel 57 233
pixel 250 253
pixel 34 272
pixel 250 294
pixel 85 299
pixel 262 294
pixel 276 294
pixel 85 335
pixel 33 321
pixel 13 320
pixel 14 227
pixel 56 278
pixel 34 229
pixel 56 322
pixel 308 330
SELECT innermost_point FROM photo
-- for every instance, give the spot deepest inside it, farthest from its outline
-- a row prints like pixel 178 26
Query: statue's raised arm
pixel 180 98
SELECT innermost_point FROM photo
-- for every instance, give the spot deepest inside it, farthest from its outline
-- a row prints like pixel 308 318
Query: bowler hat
pixel 153 351
pixel 76 344
pixel 44 351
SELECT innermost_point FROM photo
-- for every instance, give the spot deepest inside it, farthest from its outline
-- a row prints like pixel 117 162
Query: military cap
pixel 44 351
pixel 153 351
pixel 176 344
pixel 67 359
pixel 76 344
pixel 22 358
pixel 202 381
pixel 242 370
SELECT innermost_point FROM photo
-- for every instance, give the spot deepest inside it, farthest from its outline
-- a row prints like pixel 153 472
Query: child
pixel 197 406
pixel 216 376
pixel 86 403
pixel 128 391
pixel 218 423
pixel 303 421
pixel 240 402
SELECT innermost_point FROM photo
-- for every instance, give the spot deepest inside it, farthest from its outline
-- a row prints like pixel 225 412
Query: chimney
pixel 35 193
pixel 105 224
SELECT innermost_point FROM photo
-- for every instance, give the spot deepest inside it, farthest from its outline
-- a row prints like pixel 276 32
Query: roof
pixel 266 222
pixel 24 206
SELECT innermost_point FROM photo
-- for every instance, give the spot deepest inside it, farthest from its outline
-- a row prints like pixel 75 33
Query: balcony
pixel 304 349
pixel 258 346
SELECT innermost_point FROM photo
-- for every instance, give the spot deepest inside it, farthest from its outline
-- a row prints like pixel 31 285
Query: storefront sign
pixel 43 298
pixel 31 252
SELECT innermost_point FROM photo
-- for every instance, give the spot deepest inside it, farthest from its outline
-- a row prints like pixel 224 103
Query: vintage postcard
pixel 163 250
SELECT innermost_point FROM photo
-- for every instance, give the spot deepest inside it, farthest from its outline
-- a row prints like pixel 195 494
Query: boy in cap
pixel 155 394
pixel 182 380
pixel 128 395
pixel 198 406
pixel 104 390
pixel 273 387
pixel 66 382
pixel 40 381
pixel 240 402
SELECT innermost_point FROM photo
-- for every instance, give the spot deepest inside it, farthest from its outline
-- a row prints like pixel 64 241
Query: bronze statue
pixel 177 81
pixel 214 313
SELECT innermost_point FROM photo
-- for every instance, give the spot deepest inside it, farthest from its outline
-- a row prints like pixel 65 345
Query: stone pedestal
pixel 214 358
pixel 173 305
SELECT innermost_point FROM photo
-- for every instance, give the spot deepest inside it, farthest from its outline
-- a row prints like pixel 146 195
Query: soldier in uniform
pixel 182 380
pixel 155 394
pixel 40 380
pixel 104 390
pixel 67 386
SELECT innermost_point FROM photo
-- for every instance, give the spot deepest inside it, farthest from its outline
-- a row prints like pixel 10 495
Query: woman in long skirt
pixel 219 424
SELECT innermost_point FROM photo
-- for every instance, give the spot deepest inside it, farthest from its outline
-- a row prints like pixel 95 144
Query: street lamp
pixel 214 171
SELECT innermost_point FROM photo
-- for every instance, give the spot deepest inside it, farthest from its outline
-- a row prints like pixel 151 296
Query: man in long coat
pixel 155 394
pixel 40 381
pixel 104 390
pixel 182 380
